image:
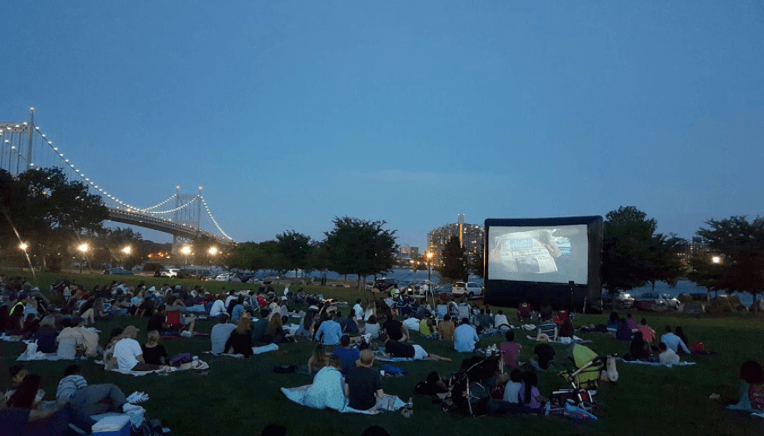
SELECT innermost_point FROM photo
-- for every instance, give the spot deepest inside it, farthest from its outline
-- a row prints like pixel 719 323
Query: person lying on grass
pixel 399 349
pixel 91 399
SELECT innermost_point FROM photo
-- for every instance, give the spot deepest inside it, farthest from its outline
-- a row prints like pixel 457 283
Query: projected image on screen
pixel 540 254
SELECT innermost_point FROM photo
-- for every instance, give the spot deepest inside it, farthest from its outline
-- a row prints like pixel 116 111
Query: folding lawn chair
pixel 172 321
pixel 442 311
pixel 524 312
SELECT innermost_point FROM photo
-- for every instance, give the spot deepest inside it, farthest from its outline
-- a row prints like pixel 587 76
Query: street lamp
pixel 716 259
pixel 186 250
pixel 23 246
pixel 429 255
pixel 213 251
pixel 127 250
pixel 83 249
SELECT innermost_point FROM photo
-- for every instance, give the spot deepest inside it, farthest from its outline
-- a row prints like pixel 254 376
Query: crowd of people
pixel 348 340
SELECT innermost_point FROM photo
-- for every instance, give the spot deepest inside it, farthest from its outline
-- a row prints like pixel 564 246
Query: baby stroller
pixel 468 391
pixel 582 383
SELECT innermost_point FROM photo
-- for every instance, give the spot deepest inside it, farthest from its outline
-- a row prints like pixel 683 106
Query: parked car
pixel 227 277
pixel 118 272
pixel 470 289
pixel 618 300
pixel 385 283
pixel 648 300
pixel 169 272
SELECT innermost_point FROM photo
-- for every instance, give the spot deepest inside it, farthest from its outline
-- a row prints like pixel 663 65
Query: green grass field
pixel 239 397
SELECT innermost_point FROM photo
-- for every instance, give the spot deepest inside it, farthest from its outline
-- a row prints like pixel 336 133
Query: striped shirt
pixel 69 385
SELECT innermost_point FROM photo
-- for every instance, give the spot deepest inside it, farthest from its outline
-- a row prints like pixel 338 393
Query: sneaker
pixel 127 408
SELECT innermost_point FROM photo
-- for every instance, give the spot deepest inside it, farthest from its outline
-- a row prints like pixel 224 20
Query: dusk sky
pixel 292 113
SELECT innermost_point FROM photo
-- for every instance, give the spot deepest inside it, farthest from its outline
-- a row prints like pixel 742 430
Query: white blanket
pixel 641 362
pixel 561 340
pixel 196 364
pixel 391 403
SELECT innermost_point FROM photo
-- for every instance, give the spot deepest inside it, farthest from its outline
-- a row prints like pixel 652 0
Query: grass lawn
pixel 239 397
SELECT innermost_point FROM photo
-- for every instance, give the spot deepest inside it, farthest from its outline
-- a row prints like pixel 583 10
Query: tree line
pixel 51 215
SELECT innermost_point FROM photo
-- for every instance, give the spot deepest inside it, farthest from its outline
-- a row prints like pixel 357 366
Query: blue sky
pixel 292 113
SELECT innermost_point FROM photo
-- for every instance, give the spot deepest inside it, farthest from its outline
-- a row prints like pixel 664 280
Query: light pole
pixel 213 251
pixel 429 255
pixel 186 250
pixel 127 250
pixel 83 249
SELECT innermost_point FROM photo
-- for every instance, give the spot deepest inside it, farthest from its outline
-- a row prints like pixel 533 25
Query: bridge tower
pixel 189 216
pixel 16 144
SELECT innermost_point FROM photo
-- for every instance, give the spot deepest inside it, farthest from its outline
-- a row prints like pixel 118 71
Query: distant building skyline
pixel 471 236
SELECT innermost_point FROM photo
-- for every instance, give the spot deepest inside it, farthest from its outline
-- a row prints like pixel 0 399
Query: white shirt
pixel 126 351
pixel 218 308
pixel 512 392
pixel 500 320
pixel 229 299
pixel 358 311
pixel 668 357
pixel 412 323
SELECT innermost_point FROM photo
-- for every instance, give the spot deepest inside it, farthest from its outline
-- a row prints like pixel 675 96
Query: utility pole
pixel 30 131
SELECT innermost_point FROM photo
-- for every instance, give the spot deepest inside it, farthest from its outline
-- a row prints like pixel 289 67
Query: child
pixel 154 353
pixel 513 387
pixel 510 349
pixel 529 393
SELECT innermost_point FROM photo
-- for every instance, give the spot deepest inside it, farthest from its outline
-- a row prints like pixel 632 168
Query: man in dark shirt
pixel 395 329
pixel 544 354
pixel 397 349
pixel 260 326
pixel 347 355
pixel 363 385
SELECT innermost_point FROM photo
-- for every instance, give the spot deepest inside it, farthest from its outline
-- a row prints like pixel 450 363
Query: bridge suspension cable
pixel 171 210
pixel 214 221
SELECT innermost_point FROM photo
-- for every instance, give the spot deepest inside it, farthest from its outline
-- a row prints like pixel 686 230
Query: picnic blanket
pixel 642 362
pixel 384 357
pixel 5 338
pixel 196 364
pixel 31 354
pixel 255 350
pixel 176 335
pixel 390 403
pixel 561 340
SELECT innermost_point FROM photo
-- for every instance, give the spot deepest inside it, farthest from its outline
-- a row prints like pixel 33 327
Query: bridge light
pixel 23 246
pixel 83 248
pixel 127 250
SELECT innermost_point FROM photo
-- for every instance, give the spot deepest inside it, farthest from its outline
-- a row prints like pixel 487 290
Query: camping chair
pixel 442 311
pixel 549 329
pixel 524 312
pixel 562 315
pixel 172 321
pixel 464 312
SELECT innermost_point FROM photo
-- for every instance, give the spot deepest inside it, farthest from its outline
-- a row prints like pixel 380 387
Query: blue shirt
pixel 674 342
pixel 332 332
pixel 465 338
pixel 348 356
pixel 236 313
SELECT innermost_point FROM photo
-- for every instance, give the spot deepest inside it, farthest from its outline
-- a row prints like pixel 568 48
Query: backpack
pixel 698 347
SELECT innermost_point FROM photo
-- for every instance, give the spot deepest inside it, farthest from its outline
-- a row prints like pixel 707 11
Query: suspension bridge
pixel 24 146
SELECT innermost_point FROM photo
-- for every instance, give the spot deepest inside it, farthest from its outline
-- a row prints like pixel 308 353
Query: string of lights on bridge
pixel 127 206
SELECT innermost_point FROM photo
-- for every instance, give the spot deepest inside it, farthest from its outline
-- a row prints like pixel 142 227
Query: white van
pixel 470 289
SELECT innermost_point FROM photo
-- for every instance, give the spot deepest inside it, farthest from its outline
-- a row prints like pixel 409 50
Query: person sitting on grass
pixel 348 356
pixel 372 327
pixel 667 356
pixel 129 354
pixel 330 332
pixel 623 333
pixel 529 393
pixel 648 334
pixel 395 329
pixel 544 354
pixel 510 349
pixel 221 332
pixel 465 337
pixel 328 388
pixel 188 321
pixel 18 374
pixel 318 359
pixel 154 353
pixel 446 329
pixel 306 325
pixel 751 393
pixel 415 351
pixel 26 393
pixel 566 328
pixel 238 309
pixel 240 340
pixel 91 399
pixel 631 323
pixel 363 385
pixel 501 322
pixel 680 334
pixel 612 322
pixel 638 348
pixel 673 342
pixel 46 335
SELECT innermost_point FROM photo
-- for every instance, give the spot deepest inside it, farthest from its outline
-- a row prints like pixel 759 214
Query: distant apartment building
pixel 471 236
pixel 407 251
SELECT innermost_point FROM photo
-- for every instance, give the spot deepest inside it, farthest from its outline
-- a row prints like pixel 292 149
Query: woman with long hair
pixel 24 397
pixel 240 341
pixel 275 333
pixel 154 353
pixel 318 359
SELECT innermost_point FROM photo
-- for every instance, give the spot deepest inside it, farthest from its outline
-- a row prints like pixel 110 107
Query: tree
pixel 48 212
pixel 627 245
pixel 360 247
pixel 295 249
pixel 454 263
pixel 665 264
pixel 739 247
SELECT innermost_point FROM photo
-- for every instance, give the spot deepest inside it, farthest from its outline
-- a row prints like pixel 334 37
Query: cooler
pixel 118 425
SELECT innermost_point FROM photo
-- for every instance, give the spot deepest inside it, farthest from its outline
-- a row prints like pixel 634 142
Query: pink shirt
pixel 510 350
pixel 647 333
